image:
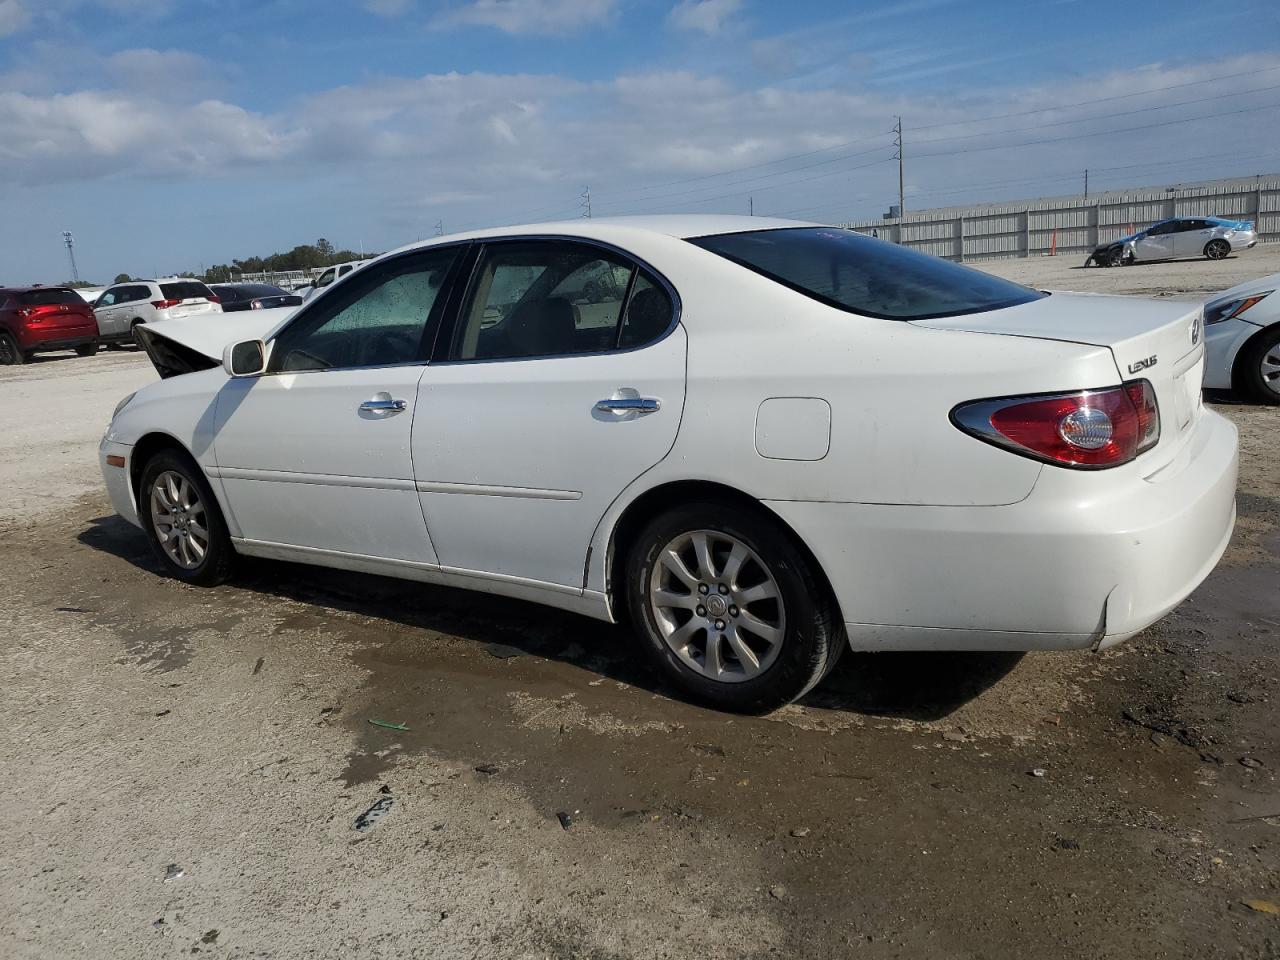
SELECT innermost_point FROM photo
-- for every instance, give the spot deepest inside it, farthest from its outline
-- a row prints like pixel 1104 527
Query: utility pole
pixel 751 206
pixel 897 142
pixel 585 196
pixel 1086 183
pixel 70 241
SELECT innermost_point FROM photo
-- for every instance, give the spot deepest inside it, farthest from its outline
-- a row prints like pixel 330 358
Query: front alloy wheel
pixel 178 517
pixel 182 520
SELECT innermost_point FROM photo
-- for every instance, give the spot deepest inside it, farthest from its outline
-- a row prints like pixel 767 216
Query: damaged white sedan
pixel 758 442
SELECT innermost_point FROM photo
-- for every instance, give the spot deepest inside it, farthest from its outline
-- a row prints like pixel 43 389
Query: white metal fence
pixel 1075 225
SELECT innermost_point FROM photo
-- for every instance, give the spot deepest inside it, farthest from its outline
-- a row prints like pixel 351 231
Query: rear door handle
pixel 624 404
pixel 384 404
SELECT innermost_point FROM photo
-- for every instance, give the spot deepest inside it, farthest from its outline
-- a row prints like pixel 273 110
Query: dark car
pixel 253 296
pixel 39 319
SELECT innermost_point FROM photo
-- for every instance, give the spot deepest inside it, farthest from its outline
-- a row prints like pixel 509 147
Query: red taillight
pixel 164 304
pixel 213 298
pixel 1089 428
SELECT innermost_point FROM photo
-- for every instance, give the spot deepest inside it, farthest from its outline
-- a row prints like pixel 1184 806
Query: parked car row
pixel 1211 237
pixel 45 319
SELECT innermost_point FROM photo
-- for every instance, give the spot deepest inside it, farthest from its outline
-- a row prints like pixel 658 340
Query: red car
pixel 38 319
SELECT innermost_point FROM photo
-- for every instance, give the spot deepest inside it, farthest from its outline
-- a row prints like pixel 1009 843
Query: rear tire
pixel 1217 249
pixel 730 609
pixel 10 354
pixel 87 349
pixel 182 520
pixel 1260 367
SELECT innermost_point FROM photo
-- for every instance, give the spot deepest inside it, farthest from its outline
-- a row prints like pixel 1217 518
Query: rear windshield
pixel 184 290
pixel 865 275
pixel 44 298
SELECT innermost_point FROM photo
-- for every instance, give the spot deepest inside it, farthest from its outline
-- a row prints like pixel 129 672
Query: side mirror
pixel 248 358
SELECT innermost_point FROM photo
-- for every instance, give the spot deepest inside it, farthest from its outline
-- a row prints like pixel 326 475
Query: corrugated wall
pixel 1075 225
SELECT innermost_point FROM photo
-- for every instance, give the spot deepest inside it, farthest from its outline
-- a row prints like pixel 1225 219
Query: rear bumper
pixel 58 338
pixel 1085 561
pixel 1244 243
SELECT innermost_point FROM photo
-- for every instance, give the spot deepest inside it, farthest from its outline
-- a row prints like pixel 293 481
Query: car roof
pixel 32 289
pixel 682 226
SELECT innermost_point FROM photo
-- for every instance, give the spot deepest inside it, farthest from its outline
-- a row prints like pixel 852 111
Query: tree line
pixel 305 256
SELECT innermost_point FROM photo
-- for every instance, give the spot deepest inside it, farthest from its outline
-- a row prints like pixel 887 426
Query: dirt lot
pixel 182 769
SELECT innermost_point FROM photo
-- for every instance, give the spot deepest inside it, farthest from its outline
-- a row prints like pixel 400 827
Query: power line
pixel 1098 133
pixel 788 183
pixel 1091 102
pixel 763 176
pixel 1102 116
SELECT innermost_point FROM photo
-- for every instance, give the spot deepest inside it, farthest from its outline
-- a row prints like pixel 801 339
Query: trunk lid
pixel 191 308
pixel 58 316
pixel 1154 340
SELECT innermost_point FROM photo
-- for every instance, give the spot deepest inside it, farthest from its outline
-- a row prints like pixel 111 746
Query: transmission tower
pixel 586 202
pixel 70 241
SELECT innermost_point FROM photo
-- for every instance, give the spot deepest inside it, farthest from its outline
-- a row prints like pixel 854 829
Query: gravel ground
pixel 183 769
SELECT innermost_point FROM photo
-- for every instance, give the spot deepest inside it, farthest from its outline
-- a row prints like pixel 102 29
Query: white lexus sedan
pixel 756 441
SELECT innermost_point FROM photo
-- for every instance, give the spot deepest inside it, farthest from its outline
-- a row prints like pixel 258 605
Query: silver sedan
pixel 1181 237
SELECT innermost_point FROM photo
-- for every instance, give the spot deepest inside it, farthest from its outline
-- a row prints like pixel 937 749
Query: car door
pixel 1190 238
pixel 1155 243
pixel 315 453
pixel 542 406
pixel 104 311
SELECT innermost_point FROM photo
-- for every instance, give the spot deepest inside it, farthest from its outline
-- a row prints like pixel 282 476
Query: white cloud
pixel 13 17
pixel 708 16
pixel 531 16
pixel 491 147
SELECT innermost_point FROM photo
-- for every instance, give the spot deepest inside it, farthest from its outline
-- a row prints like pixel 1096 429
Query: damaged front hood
pixel 196 343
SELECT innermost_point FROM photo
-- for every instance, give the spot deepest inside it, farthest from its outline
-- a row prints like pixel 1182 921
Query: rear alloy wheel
pixel 10 355
pixel 730 609
pixel 183 522
pixel 1217 249
pixel 1260 367
pixel 87 349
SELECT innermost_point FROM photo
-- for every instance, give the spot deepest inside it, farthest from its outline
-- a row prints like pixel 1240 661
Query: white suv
pixel 125 305
pixel 334 273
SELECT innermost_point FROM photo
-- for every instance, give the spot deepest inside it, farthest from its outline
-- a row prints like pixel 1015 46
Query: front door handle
pixel 625 404
pixel 383 404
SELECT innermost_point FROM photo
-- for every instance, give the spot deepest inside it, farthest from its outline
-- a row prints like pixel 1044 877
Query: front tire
pixel 183 522
pixel 730 609
pixel 1260 367
pixel 1115 257
pixel 87 349
pixel 1217 249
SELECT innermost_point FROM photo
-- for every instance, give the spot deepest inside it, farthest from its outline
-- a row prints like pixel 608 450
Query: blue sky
pixel 168 134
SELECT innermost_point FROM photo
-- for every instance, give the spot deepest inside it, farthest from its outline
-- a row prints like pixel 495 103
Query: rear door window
pixel 867 276
pixel 543 298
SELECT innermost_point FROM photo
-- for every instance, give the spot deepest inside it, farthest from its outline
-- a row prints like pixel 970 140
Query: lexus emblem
pixel 1196 326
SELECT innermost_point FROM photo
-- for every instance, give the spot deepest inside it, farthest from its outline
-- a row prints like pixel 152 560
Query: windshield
pixel 867 276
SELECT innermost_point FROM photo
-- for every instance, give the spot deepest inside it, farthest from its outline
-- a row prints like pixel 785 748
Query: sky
pixel 170 135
